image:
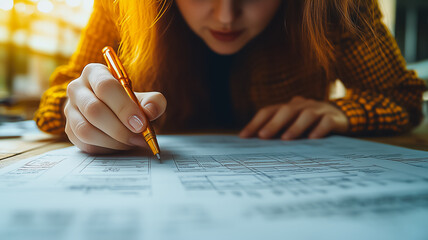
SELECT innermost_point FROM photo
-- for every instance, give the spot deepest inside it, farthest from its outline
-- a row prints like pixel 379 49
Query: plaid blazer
pixel 382 95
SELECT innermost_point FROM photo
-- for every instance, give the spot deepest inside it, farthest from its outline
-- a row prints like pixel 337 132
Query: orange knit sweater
pixel 382 95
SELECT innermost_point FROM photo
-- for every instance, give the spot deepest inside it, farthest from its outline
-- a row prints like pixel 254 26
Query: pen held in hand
pixel 118 71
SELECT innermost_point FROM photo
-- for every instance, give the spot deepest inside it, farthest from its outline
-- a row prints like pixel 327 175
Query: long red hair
pixel 165 55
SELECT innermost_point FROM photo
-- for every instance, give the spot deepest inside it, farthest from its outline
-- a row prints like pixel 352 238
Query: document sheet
pixel 220 187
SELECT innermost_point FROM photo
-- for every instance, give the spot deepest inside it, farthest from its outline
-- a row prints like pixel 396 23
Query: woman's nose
pixel 225 11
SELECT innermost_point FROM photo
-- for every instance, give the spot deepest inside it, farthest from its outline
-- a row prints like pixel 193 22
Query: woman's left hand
pixel 294 119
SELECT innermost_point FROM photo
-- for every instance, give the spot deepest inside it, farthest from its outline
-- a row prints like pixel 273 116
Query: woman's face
pixel 226 26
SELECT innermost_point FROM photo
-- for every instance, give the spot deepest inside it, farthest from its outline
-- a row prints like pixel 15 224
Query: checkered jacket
pixel 382 95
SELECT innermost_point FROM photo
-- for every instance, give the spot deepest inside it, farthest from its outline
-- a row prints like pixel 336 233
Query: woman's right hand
pixel 102 118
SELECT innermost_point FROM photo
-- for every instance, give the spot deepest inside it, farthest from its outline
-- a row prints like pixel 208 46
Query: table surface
pixel 15 149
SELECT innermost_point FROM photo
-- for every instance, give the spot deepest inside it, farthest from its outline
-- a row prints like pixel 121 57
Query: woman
pixel 263 66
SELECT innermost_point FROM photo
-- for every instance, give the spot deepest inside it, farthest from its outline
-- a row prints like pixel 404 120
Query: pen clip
pixel 115 66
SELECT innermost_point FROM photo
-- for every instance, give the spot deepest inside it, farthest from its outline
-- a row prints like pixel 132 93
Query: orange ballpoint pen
pixel 118 71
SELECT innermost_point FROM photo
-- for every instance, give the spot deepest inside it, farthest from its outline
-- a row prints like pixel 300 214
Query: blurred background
pixel 35 37
pixel 38 35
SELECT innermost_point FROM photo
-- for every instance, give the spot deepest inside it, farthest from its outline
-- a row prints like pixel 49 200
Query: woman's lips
pixel 226 36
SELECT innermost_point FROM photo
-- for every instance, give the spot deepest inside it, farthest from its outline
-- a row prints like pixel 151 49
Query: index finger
pixel 259 120
pixel 111 92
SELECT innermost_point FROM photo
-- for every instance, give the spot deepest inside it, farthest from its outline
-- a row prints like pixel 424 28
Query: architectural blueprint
pixel 220 186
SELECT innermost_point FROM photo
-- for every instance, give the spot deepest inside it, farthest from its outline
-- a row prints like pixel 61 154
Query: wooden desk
pixel 12 150
pixel 416 139
pixel 15 149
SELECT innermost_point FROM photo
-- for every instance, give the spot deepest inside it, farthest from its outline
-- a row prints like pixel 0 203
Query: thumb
pixel 153 104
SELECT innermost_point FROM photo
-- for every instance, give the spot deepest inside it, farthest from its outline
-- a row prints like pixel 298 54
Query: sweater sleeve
pixel 99 32
pixel 382 95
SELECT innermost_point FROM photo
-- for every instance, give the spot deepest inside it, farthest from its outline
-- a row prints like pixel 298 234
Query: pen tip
pixel 158 156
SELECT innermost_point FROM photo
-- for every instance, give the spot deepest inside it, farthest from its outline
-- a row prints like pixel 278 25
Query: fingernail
pixel 136 123
pixel 152 109
pixel 137 141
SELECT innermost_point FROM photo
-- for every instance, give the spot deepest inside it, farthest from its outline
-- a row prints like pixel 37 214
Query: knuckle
pixel 154 97
pixel 160 98
pixel 92 108
pixel 83 131
pixel 310 113
pixel 87 70
pixel 310 101
pixel 103 84
pixel 157 95
pixel 285 108
pixel 123 111
pixel 75 142
pixel 328 120
pixel 297 99
pixel 67 128
pixel 264 110
pixel 72 88
pixel 66 110
pixel 90 67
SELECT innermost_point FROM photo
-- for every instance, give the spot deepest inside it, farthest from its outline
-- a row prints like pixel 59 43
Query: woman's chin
pixel 225 48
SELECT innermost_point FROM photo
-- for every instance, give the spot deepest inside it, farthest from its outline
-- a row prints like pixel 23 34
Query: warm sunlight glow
pixel 6 4
pixel 88 5
pixel 73 3
pixel 45 6
pixel 21 7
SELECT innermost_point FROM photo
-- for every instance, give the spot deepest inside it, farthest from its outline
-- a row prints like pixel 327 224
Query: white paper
pixel 219 186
